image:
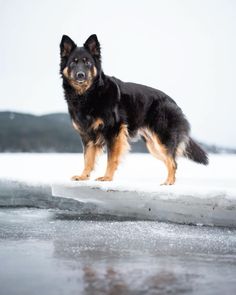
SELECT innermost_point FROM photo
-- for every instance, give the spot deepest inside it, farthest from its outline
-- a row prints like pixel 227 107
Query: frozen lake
pixel 78 251
pixel 59 252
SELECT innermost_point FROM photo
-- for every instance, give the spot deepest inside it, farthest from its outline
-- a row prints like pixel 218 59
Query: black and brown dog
pixel 108 112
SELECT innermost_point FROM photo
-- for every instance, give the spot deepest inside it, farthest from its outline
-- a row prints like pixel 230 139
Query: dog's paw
pixel 104 178
pixel 168 182
pixel 79 177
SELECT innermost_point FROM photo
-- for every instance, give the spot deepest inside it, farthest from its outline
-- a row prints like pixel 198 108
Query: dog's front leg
pixel 91 151
pixel 116 148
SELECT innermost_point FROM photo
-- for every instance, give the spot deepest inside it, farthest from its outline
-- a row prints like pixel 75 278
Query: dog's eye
pixel 88 63
pixel 76 60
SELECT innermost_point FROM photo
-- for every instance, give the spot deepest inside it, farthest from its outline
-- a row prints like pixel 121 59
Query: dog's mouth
pixel 80 81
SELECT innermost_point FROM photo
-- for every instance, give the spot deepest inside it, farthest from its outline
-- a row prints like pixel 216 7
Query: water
pixel 60 252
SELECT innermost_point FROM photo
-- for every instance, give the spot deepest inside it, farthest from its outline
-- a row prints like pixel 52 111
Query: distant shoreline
pixel 52 133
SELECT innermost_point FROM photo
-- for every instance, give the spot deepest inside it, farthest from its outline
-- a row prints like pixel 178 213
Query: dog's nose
pixel 80 75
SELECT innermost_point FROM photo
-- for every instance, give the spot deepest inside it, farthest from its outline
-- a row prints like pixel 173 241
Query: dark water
pixel 59 252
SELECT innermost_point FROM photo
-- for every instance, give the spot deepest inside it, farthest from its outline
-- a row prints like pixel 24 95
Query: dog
pixel 108 113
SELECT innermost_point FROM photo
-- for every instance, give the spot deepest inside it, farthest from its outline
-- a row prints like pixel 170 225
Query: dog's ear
pixel 93 46
pixel 67 46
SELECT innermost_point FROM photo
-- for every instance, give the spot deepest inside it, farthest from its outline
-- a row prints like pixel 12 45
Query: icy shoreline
pixel 202 195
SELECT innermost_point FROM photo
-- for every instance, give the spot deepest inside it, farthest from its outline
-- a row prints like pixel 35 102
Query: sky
pixel 185 48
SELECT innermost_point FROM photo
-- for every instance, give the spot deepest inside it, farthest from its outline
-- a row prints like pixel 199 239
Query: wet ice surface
pixel 60 252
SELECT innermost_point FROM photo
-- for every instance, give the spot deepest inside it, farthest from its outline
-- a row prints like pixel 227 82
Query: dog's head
pixel 80 66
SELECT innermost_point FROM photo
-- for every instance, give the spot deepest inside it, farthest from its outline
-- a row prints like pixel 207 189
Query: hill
pixel 51 133
pixel 29 133
pixel 48 133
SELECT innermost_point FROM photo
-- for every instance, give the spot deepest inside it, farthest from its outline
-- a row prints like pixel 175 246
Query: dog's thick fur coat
pixel 108 112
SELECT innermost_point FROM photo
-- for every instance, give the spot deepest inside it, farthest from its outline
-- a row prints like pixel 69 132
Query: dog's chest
pixel 88 124
pixel 92 130
pixel 95 123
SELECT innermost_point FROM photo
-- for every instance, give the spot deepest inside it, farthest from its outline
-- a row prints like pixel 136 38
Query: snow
pixel 201 195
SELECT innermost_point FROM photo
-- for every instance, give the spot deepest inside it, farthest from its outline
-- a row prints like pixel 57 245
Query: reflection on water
pixel 110 283
pixel 59 252
pixel 113 282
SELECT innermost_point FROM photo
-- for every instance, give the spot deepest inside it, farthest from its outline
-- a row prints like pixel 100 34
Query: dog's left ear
pixel 93 46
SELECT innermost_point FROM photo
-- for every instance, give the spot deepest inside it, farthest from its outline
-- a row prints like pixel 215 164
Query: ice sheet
pixel 202 195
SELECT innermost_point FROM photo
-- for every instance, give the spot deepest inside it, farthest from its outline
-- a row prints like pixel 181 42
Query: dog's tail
pixel 195 153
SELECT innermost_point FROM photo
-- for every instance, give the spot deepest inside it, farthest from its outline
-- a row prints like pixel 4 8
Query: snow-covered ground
pixel 201 195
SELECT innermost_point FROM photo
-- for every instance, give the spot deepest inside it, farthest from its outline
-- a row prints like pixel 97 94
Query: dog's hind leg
pixel 116 149
pixel 91 151
pixel 159 151
pixel 171 168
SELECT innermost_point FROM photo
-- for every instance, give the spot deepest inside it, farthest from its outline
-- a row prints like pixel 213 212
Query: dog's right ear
pixel 67 46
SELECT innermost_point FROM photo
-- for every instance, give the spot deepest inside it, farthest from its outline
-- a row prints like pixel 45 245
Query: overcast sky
pixel 186 48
